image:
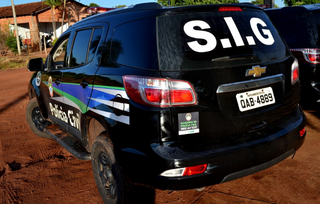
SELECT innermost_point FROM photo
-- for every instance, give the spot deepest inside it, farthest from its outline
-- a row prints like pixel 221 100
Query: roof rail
pixel 147 6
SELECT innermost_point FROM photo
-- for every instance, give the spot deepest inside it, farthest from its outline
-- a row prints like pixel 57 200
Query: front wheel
pixel 112 184
pixel 35 120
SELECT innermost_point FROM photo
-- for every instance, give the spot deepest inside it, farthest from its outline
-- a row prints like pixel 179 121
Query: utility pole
pixel 15 26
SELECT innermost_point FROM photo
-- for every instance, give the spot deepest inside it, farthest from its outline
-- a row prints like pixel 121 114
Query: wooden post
pixel 16 27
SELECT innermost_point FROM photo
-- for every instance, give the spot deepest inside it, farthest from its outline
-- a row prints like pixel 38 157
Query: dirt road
pixel 35 170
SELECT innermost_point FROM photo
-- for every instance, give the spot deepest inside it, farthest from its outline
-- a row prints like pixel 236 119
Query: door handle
pixel 84 84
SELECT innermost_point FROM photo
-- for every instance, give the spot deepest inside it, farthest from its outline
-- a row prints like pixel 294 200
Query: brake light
pixel 302 132
pixel 230 8
pixel 193 170
pixel 311 55
pixel 294 72
pixel 159 92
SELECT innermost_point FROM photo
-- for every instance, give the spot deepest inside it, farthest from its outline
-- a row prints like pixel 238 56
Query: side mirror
pixel 35 64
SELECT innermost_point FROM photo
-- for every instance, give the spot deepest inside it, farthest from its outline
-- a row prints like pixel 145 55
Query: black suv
pixel 299 27
pixel 170 98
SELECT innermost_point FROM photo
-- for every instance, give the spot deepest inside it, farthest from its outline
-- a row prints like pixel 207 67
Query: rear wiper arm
pixel 234 57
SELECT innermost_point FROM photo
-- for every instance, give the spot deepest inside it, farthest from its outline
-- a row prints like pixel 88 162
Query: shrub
pixel 12 42
pixel 4 33
pixel 54 41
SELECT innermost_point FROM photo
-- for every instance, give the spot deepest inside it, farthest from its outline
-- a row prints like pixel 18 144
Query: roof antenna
pixel 169 3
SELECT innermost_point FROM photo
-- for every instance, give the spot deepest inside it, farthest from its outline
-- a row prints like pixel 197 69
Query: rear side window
pixel 298 29
pixel 84 46
pixel 217 39
pixel 134 44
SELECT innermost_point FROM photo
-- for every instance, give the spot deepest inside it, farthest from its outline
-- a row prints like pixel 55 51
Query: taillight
pixel 159 92
pixel 230 8
pixel 311 55
pixel 294 72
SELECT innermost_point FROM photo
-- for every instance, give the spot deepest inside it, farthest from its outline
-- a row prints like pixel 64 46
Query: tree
pixel 53 4
pixel 4 34
pixel 120 6
pixel 299 2
pixel 258 2
pixel 261 2
pixel 13 44
pixel 195 2
pixel 93 5
pixel 63 13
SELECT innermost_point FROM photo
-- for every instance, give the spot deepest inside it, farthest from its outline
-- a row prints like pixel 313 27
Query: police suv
pixel 169 98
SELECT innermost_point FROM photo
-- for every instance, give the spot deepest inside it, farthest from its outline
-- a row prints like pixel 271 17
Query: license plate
pixel 255 99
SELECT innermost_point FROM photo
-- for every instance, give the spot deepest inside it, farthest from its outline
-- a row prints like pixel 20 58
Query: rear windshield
pixel 217 39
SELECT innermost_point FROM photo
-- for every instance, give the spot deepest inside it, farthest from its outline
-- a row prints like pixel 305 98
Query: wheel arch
pixel 94 129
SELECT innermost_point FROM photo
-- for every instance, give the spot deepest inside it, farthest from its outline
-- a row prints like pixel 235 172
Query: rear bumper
pixel 224 164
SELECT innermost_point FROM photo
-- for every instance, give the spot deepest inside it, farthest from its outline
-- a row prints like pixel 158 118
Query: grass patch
pixel 12 62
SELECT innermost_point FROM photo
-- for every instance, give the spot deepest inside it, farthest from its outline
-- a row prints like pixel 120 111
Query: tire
pixel 113 187
pixel 35 120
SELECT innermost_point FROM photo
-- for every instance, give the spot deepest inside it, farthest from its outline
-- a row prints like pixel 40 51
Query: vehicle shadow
pixel 144 195
pixel 313 114
pixel 15 101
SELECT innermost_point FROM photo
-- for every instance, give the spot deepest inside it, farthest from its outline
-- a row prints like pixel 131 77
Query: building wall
pixel 41 24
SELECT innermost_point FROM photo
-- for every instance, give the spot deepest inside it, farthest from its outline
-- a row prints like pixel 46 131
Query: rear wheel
pixel 35 120
pixel 113 187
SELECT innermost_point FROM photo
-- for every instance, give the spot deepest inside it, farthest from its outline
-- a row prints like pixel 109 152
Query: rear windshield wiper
pixel 235 57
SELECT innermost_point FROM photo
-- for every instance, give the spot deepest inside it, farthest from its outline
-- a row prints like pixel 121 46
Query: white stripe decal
pixel 113 92
pixel 123 119
pixel 117 105
pixel 58 99
pixel 71 103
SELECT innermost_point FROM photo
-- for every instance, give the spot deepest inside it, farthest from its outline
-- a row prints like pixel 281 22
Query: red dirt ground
pixel 35 170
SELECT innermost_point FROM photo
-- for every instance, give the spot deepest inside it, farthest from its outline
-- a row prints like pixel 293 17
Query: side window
pixel 84 46
pixel 134 44
pixel 80 48
pixel 94 43
pixel 59 56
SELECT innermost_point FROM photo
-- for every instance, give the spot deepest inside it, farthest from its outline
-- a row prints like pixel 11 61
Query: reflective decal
pixel 117 105
pixel 38 79
pixel 254 22
pixel 50 86
pixel 189 29
pixel 107 101
pixel 258 26
pixel 68 116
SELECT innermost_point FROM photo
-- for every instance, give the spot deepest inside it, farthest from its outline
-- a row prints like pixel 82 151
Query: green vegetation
pixel 93 5
pixel 299 2
pixel 13 62
pixel 120 6
pixel 54 41
pixel 11 42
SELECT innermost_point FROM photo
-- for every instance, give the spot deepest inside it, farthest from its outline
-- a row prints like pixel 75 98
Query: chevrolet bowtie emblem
pixel 256 71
